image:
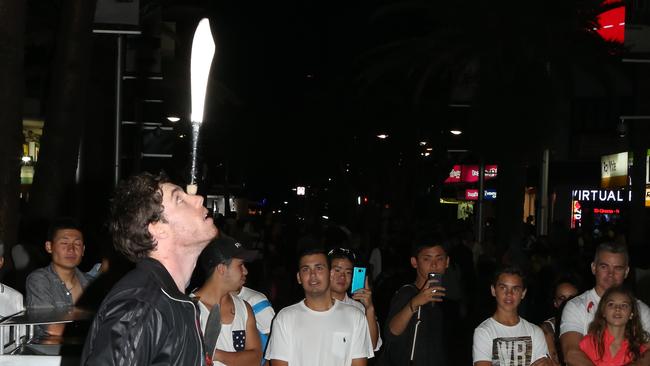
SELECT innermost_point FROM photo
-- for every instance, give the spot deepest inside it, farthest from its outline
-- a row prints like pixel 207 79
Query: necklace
pixel 71 287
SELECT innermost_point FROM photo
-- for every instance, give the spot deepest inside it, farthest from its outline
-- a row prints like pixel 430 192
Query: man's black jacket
pixel 145 320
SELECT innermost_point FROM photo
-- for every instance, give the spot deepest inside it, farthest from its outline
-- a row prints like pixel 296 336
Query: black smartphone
pixel 436 277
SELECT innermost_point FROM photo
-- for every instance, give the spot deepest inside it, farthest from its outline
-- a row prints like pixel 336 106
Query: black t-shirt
pixel 429 345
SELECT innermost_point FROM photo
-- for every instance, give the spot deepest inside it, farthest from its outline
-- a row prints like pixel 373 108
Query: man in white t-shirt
pixel 342 262
pixel 238 342
pixel 610 268
pixel 506 338
pixel 319 330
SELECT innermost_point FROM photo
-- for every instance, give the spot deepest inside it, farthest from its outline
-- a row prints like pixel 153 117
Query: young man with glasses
pixel 342 261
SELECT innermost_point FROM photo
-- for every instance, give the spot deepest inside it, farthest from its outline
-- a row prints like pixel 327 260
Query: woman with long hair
pixel 616 336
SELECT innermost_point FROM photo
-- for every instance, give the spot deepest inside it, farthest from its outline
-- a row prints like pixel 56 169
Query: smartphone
pixel 358 279
pixel 437 277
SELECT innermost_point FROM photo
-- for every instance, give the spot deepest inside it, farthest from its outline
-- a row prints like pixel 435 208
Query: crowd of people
pixel 184 300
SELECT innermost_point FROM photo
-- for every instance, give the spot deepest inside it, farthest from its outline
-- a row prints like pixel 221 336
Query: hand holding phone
pixel 435 279
pixel 435 282
pixel 358 279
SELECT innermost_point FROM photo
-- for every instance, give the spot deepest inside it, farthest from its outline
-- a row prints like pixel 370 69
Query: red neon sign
pixel 470 173
pixel 607 211
pixel 576 215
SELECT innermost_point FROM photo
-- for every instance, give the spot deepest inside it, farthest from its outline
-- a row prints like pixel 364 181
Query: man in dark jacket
pixel 146 318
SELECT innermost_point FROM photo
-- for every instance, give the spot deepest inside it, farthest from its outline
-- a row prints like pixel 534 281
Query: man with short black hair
pixel 342 261
pixel 59 284
pixel 610 268
pixel 506 338
pixel 414 326
pixel 238 342
pixel 319 330
pixel 146 319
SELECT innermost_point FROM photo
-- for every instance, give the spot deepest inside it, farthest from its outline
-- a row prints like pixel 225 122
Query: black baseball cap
pixel 223 249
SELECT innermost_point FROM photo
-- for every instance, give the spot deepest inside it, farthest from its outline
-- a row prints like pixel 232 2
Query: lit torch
pixel 203 49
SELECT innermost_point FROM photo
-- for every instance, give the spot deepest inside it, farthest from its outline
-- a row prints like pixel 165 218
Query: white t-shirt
pixel 579 312
pixel 517 345
pixel 357 304
pixel 335 337
pixel 11 302
pixel 232 337
pixel 262 308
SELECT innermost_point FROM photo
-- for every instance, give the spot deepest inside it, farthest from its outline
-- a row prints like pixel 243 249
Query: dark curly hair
pixel 634 333
pixel 136 203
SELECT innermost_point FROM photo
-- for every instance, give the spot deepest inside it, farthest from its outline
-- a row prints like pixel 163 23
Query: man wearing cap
pixel 238 342
pixel 319 330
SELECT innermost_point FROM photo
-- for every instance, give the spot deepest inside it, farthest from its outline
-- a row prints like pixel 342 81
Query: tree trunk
pixel 12 41
pixel 54 179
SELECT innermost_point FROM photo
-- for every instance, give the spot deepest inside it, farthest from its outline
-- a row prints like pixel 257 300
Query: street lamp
pixel 203 49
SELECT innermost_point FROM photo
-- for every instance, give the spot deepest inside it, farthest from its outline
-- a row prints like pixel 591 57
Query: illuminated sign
pixel 454 175
pixel 576 214
pixel 609 211
pixel 488 194
pixel 601 195
pixel 471 194
pixel 300 191
pixel 470 173
pixel 647 167
pixel 611 23
pixel 613 171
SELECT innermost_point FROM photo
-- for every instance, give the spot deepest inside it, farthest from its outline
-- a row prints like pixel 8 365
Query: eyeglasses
pixel 349 253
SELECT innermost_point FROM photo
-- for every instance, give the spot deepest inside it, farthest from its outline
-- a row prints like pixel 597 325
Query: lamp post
pixel 203 49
